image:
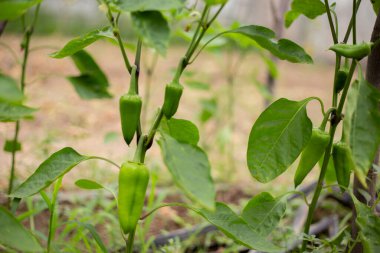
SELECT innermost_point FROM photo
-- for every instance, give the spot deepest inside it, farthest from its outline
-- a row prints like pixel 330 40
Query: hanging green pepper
pixel 133 182
pixel 173 93
pixel 311 154
pixel 343 163
pixel 340 80
pixel 130 110
pixel 356 51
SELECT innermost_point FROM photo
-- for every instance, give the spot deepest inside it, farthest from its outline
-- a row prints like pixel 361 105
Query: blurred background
pixel 226 89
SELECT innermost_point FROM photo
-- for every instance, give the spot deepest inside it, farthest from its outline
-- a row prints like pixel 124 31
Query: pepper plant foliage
pixel 278 137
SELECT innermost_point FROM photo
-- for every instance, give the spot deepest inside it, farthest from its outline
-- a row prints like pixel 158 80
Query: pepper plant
pixel 278 137
pixel 283 132
pixel 185 160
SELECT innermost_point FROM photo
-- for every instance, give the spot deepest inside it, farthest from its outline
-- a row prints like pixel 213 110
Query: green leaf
pixel 153 28
pixel 362 124
pixel 190 169
pixel 12 146
pixel 88 184
pixel 277 138
pixel 309 8
pixel 94 234
pixel 88 87
pixel 12 9
pixel 181 130
pixel 92 83
pixel 290 17
pixel 13 112
pixel 83 41
pixel 369 225
pixel 9 91
pixel 14 235
pixel 148 5
pixel 283 49
pixel 236 228
pixel 376 6
pixel 215 2
pixel 263 213
pixel 57 165
pixel 87 66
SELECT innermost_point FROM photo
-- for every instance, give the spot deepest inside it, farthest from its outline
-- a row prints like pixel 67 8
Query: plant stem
pixel 319 187
pixel 354 22
pixel 13 164
pixel 335 120
pixel 137 76
pixel 146 141
pixel 346 86
pixel 52 209
pixel 153 129
pixel 331 23
pixel 349 28
pixel 25 45
pixel 116 32
pixel 129 242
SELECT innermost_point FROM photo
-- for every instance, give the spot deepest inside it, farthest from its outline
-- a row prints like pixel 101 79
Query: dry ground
pixel 64 119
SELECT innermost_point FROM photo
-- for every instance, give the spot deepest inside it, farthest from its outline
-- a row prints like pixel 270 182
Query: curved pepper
pixel 311 154
pixel 173 93
pixel 343 164
pixel 356 51
pixel 133 182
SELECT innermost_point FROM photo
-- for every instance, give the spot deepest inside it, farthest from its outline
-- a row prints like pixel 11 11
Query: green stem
pixel 13 164
pixel 133 83
pixel 52 209
pixel 137 63
pixel 25 44
pixel 106 160
pixel 346 86
pixel 140 151
pixel 129 242
pixel 137 76
pixel 153 129
pixel 349 28
pixel 116 33
pixel 353 22
pixel 337 67
pixel 331 23
pixel 326 118
pixel 122 49
pixel 335 120
pixel 318 189
pixel 196 34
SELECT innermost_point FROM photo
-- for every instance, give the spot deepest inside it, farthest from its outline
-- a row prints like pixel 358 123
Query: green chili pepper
pixel 130 110
pixel 311 154
pixel 343 164
pixel 173 93
pixel 340 80
pixel 356 51
pixel 133 182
